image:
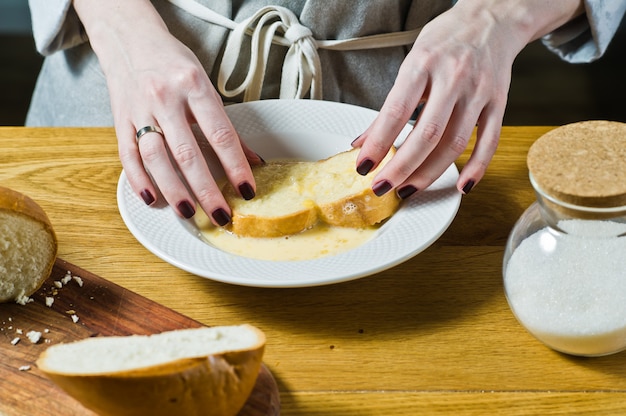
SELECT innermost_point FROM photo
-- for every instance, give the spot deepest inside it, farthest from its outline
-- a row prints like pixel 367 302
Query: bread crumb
pixel 78 280
pixel 75 318
pixel 66 279
pixel 58 284
pixel 33 336
pixel 23 299
pixel 19 331
pixel 24 368
pixel 49 301
pixel 15 341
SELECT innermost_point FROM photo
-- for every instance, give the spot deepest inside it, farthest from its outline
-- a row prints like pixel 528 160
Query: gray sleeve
pixel 56 25
pixel 586 38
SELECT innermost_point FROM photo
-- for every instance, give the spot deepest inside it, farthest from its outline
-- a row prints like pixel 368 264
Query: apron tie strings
pixel 301 70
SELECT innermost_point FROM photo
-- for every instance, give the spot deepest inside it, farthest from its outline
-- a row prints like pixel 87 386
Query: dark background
pixel 544 90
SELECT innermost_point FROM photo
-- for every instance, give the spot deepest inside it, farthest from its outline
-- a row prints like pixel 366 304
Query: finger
pixel 228 147
pixel 396 111
pixel 254 158
pixel 454 141
pixel 189 160
pixel 487 139
pixel 138 178
pixel 425 137
pixel 155 156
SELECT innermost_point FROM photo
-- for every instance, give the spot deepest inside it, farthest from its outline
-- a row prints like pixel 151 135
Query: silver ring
pixel 148 129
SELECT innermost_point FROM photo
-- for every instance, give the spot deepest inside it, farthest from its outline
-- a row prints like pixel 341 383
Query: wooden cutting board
pixel 101 308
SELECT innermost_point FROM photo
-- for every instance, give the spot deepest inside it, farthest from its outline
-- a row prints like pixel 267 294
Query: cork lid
pixel 582 163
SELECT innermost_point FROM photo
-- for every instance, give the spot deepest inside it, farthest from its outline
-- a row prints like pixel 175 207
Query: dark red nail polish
pixel 221 217
pixel 468 186
pixel 186 209
pixel 246 191
pixel 381 188
pixel 365 167
pixel 147 197
pixel 406 191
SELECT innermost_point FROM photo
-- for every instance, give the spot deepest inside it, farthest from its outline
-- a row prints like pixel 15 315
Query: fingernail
pixel 246 191
pixel 468 186
pixel 365 167
pixel 221 217
pixel 147 197
pixel 354 141
pixel 381 188
pixel 406 191
pixel 186 209
pixel 261 159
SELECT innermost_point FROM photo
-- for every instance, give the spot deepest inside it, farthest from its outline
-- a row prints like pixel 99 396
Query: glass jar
pixel 564 266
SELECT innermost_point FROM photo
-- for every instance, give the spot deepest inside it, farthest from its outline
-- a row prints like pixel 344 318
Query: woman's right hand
pixel 155 80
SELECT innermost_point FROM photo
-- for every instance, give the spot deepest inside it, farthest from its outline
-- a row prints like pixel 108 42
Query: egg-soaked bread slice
pixel 293 196
pixel 280 207
pixel 344 198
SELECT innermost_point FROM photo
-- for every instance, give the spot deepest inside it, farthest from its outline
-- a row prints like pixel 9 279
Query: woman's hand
pixel 155 80
pixel 460 70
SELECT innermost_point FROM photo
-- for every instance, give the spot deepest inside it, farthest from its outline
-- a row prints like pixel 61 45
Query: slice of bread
pixel 200 371
pixel 293 196
pixel 28 246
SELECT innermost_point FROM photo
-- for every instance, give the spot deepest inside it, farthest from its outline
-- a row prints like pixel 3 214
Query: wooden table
pixel 432 336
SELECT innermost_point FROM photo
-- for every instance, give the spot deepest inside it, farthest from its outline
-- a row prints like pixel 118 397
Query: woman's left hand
pixel 459 68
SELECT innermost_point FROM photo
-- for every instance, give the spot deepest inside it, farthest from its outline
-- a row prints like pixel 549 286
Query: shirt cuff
pixel 56 25
pixel 587 37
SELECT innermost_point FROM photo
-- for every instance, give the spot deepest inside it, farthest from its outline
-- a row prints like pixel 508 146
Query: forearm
pixel 120 29
pixel 526 20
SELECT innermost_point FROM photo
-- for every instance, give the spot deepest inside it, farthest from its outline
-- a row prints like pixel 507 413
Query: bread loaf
pixel 28 246
pixel 293 196
pixel 200 371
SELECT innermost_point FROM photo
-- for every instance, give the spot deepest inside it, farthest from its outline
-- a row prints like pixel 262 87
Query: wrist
pixel 525 20
pixel 117 25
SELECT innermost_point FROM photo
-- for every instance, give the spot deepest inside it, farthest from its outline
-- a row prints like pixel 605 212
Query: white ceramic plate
pixel 310 130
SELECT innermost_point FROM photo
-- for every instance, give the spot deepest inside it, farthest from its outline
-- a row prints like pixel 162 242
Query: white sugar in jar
pixel 565 262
